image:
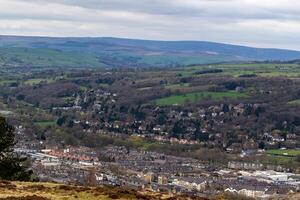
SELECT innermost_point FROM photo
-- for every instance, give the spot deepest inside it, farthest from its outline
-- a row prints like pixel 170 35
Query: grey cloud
pixel 270 23
pixel 229 9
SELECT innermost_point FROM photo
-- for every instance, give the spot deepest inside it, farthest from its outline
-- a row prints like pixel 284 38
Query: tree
pixel 11 165
pixel 261 145
pixel 161 118
pixel 61 120
pixel 202 136
pixel 225 108
pixel 178 129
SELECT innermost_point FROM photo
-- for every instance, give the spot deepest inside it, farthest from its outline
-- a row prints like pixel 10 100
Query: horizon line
pixel 150 40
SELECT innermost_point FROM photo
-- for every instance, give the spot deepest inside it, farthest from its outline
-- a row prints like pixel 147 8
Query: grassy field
pixel 278 160
pixel 281 157
pixel 139 142
pixel 236 70
pixel 29 81
pixel 287 152
pixel 3 82
pixel 38 80
pixel 52 191
pixel 197 97
pixel 295 102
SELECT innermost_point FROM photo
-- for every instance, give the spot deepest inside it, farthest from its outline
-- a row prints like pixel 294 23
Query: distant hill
pixel 18 51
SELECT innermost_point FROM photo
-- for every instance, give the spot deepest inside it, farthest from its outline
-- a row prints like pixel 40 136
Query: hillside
pixel 47 52
pixel 53 191
pixel 47 191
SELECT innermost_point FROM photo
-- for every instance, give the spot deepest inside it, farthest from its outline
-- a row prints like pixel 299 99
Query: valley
pixel 125 127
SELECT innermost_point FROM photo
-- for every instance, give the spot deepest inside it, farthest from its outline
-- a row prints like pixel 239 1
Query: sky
pixel 259 23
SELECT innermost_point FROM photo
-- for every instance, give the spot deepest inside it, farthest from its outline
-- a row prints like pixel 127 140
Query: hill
pixel 43 52
pixel 47 191
pixel 52 191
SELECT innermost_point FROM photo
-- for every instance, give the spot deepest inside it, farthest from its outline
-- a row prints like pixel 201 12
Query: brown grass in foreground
pixel 51 191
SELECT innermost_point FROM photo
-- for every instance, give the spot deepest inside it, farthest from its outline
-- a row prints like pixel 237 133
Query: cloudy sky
pixel 261 23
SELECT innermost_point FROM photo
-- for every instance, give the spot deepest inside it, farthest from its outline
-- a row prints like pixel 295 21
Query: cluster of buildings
pixel 118 166
pixel 205 124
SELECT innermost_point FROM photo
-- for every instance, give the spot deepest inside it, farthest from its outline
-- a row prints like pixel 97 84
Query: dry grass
pixel 47 191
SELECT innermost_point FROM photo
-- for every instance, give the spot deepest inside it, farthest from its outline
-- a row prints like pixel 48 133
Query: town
pixel 149 100
pixel 202 134
pixel 118 166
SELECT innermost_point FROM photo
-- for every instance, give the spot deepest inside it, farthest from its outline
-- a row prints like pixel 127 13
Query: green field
pixel 3 82
pixel 295 102
pixel 278 160
pixel 197 97
pixel 280 152
pixel 29 81
pixel 38 80
pixel 236 70
pixel 282 157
